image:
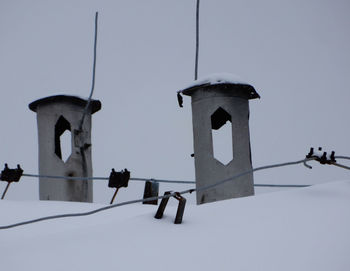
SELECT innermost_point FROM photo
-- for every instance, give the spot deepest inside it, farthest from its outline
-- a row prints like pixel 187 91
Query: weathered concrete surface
pixel 205 101
pixel 48 113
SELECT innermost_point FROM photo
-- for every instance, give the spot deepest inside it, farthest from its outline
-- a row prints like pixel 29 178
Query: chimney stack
pixel 216 100
pixel 55 115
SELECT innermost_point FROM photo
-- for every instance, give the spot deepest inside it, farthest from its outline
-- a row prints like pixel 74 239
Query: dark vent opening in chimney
pixel 63 139
pixel 222 136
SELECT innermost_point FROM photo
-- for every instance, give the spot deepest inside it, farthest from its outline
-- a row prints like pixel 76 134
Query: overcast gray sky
pixel 295 53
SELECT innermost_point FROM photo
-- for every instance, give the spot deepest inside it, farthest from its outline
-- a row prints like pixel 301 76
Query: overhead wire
pixel 253 170
pixel 303 161
pixel 153 198
pixel 341 165
pixel 342 157
pixel 171 181
pixel 105 178
pixel 146 179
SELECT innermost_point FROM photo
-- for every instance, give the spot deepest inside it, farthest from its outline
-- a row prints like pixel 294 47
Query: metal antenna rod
pixel 7 187
pixel 115 193
pixel 197 42
pixel 93 75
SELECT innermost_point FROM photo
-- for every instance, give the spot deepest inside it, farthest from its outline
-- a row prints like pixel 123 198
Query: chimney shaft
pixel 213 105
pixel 56 115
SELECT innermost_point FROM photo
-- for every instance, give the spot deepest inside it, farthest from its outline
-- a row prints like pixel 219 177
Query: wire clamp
pixel 321 157
pixel 10 175
pixel 118 180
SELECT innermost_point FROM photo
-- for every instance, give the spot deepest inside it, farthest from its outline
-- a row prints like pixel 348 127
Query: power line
pixel 173 181
pixel 303 161
pixel 105 178
pixel 154 198
pixel 151 180
pixel 251 171
pixel 281 185
pixel 342 157
pixel 342 166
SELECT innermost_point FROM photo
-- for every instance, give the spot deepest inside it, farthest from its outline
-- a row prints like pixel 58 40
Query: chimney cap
pixel 95 105
pixel 227 82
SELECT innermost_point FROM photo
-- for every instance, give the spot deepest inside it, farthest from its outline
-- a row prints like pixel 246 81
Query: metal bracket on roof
pixel 151 191
pixel 180 208
pixel 10 175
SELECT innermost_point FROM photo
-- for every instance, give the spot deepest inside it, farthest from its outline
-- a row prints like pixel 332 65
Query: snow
pixel 215 79
pixel 302 229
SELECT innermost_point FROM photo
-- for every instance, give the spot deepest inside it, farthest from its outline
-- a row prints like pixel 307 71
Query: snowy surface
pixel 215 79
pixel 302 229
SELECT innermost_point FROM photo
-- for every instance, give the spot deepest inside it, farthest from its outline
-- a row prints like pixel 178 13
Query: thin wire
pixel 342 157
pixel 197 41
pixel 82 213
pixel 163 180
pixel 64 177
pixel 152 198
pixel 281 185
pixel 105 178
pixel 93 75
pixel 251 171
pixel 340 165
pixel 152 180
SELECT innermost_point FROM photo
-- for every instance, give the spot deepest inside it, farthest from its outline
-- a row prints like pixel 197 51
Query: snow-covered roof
pixel 303 229
pixel 95 104
pixel 228 81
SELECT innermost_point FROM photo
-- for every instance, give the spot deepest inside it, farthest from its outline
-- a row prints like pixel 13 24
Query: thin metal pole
pixel 115 193
pixel 93 75
pixel 197 41
pixel 7 187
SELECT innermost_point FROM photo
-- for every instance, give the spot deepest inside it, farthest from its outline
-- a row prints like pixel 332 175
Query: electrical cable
pixel 164 180
pixel 105 178
pixel 340 165
pixel 281 185
pixel 253 170
pixel 151 180
pixel 342 157
pixel 153 198
pixel 303 161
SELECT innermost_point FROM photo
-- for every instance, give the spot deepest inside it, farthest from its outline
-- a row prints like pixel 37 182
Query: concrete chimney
pixel 55 116
pixel 217 100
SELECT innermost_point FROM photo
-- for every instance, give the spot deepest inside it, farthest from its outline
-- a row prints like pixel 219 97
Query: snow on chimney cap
pixel 95 105
pixel 227 82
